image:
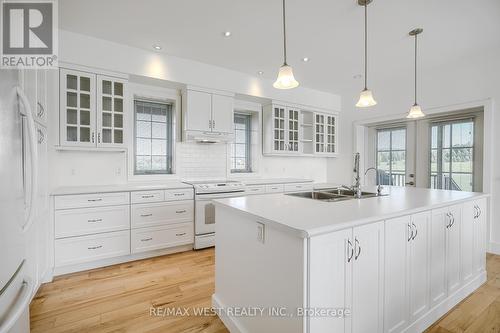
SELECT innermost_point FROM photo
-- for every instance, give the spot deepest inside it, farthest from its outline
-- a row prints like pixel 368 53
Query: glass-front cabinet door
pixel 293 130
pixel 279 142
pixel 110 112
pixel 325 134
pixel 77 108
pixel 319 137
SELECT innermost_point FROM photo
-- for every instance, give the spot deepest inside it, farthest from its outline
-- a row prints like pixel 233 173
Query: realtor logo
pixel 29 36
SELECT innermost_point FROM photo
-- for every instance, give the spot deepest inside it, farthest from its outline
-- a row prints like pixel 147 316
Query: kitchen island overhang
pixel 284 252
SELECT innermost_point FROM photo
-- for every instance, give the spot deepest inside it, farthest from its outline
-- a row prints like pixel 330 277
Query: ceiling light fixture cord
pixel 416 68
pixel 284 35
pixel 366 45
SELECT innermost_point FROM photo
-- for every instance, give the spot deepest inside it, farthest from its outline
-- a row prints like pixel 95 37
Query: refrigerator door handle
pixel 33 158
pixel 18 309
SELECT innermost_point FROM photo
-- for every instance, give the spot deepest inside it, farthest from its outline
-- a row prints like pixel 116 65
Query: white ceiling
pixel 329 32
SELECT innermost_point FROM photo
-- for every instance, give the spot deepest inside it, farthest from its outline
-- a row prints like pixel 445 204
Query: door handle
pixel 356 244
pixel 410 232
pixel 94 220
pixel 146 239
pixel 475 212
pixel 95 247
pixel 416 231
pixel 180 211
pixel 146 215
pixel 480 211
pixel 410 183
pixel 449 220
pixel 181 234
pixel 349 247
pixel 452 220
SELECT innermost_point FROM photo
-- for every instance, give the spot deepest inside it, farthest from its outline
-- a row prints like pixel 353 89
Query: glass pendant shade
pixel 366 99
pixel 285 78
pixel 415 112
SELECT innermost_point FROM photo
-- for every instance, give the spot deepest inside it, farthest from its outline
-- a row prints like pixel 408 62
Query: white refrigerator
pixel 18 181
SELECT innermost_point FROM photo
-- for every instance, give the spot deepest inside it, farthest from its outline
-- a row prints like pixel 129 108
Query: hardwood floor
pixel 119 298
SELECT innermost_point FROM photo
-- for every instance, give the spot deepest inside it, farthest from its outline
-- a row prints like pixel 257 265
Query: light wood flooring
pixel 119 298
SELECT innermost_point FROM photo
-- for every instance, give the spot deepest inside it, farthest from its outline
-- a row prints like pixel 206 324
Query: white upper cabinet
pixel 222 113
pixel 282 130
pixel 207 115
pixel 91 109
pixel 77 108
pixel 110 103
pixel 198 117
pixel 295 131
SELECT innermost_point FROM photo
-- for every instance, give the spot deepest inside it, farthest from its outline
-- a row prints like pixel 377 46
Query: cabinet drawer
pixel 86 221
pixel 255 189
pixel 276 188
pixel 155 214
pixel 92 200
pixel 74 250
pixel 298 187
pixel 154 238
pixel 147 196
pixel 181 194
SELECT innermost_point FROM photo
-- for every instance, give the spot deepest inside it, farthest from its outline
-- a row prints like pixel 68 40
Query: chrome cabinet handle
pixel 93 137
pixel 95 247
pixel 179 194
pixel 349 247
pixel 94 200
pixel 41 136
pixel 452 220
pixel 146 239
pixel 480 211
pixel 449 220
pixel 416 231
pixel 41 110
pixel 410 232
pixel 94 220
pixel 99 137
pixel 146 215
pixel 213 124
pixel 356 244
pixel 181 234
pixel 210 123
pixel 180 211
pixel 475 212
pixel 148 196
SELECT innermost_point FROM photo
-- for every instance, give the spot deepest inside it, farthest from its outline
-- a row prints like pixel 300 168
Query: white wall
pixel 192 160
pixel 456 83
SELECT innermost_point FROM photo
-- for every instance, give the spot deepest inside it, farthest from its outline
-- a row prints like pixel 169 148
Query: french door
pixel 452 155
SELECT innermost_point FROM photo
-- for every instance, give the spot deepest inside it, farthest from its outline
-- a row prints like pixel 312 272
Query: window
pixel 391 156
pixel 452 155
pixel 153 138
pixel 240 149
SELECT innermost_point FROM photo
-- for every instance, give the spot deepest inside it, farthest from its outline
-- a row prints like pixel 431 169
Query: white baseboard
pixel 446 305
pixel 494 248
pixel 229 322
pixel 119 260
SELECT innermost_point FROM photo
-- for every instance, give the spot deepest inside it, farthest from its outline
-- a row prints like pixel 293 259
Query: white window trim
pixel 254 109
pixel 154 94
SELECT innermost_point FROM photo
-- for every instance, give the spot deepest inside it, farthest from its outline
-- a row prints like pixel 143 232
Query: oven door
pixel 204 215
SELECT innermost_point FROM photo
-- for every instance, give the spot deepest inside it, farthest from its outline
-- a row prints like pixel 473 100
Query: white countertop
pixel 119 188
pixel 269 181
pixel 307 217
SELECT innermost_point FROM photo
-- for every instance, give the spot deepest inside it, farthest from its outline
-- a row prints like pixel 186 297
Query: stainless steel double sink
pixel 334 194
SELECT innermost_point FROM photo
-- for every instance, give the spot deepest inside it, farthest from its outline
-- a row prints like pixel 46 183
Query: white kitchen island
pixel 393 263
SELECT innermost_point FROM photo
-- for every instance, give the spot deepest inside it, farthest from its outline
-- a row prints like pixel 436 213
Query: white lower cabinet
pixel 75 250
pixel 473 239
pixel 406 270
pixel 155 214
pixel 346 272
pixel 453 274
pixel 154 238
pixel 86 221
pixel 91 227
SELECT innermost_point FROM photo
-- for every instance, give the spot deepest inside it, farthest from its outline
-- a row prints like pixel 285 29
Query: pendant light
pixel 285 78
pixel 366 96
pixel 415 110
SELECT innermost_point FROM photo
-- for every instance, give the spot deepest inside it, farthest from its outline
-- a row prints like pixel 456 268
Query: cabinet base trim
pixel 119 260
pixel 446 305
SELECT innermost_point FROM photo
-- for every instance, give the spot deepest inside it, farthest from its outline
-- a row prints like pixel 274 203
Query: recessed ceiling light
pixel 227 33
pixel 305 59
pixel 260 72
pixel 157 47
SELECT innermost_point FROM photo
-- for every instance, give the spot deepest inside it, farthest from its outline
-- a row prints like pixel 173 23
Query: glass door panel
pixel 279 128
pixel 77 108
pixel 293 130
pixel 110 108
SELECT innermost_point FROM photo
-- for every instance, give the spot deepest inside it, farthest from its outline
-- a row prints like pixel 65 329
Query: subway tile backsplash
pixel 198 161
